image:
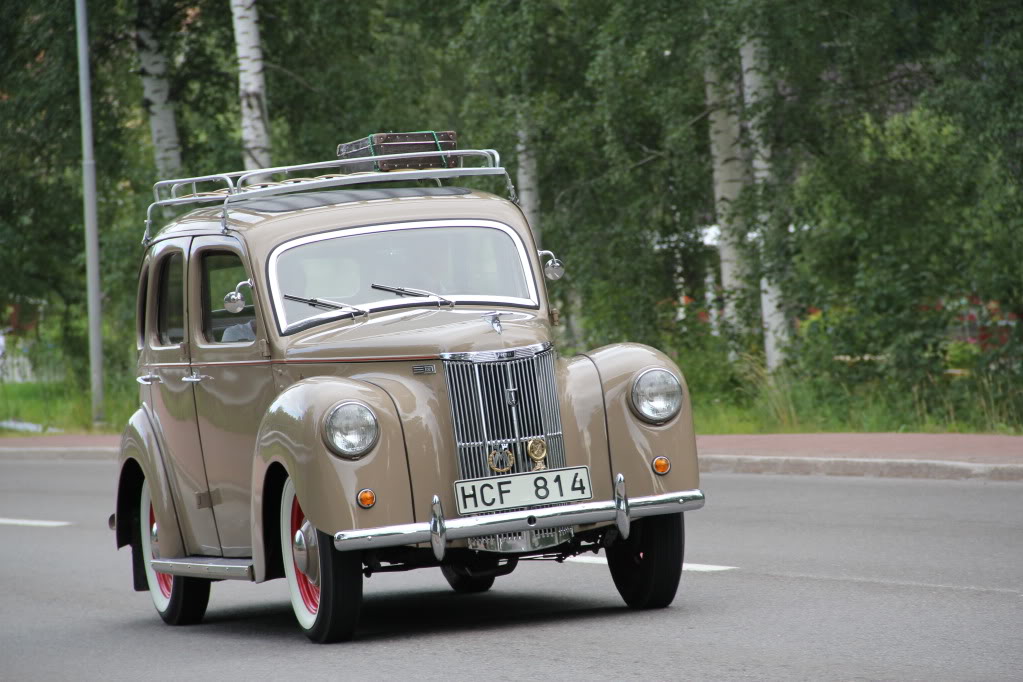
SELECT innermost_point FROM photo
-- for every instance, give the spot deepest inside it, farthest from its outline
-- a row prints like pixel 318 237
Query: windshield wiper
pixel 403 291
pixel 321 303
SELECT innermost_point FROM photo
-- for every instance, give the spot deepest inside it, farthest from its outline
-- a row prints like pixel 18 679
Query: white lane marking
pixel 700 568
pixel 707 568
pixel 33 522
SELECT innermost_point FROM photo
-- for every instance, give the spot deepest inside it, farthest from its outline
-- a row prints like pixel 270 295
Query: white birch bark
pixel 251 85
pixel 163 126
pixel 755 91
pixel 527 181
pixel 730 171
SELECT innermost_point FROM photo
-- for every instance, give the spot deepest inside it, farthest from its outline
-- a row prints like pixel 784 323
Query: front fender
pixel 290 436
pixel 634 443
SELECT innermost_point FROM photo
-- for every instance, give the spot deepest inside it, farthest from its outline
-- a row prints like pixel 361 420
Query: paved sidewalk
pixel 898 455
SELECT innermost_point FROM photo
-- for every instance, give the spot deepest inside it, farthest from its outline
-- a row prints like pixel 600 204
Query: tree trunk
pixel 755 91
pixel 251 86
pixel 527 181
pixel 163 125
pixel 730 172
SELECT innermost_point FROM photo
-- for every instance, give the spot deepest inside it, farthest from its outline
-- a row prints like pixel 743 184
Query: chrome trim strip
pixel 439 530
pixel 206 567
pixel 498 355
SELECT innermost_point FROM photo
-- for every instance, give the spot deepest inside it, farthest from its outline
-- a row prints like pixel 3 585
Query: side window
pixel 221 272
pixel 170 325
pixel 140 309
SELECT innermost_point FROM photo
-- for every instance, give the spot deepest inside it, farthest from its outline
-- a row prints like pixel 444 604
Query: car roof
pixel 272 220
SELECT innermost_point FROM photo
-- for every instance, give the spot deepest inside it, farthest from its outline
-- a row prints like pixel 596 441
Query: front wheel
pixel 325 584
pixel 178 600
pixel 647 567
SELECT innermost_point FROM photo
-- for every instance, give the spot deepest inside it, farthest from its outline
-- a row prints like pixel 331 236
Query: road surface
pixel 831 578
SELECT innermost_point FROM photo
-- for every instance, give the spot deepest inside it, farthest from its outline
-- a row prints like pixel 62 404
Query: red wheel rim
pixel 310 593
pixel 162 579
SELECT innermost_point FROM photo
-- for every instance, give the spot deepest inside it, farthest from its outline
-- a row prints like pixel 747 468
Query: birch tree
pixel 156 101
pixel 527 180
pixel 729 176
pixel 755 90
pixel 251 85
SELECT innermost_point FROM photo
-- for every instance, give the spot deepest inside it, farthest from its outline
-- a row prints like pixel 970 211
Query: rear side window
pixel 140 309
pixel 221 273
pixel 170 327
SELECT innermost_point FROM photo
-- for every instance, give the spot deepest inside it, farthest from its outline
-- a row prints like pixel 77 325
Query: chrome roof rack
pixel 228 188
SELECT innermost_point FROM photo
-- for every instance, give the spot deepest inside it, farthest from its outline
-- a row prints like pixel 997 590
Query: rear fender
pixel 290 442
pixel 141 459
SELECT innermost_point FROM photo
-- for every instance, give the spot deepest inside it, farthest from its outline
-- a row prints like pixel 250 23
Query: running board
pixel 216 568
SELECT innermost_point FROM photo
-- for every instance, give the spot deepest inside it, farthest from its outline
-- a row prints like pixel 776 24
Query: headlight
pixel 350 429
pixel 656 395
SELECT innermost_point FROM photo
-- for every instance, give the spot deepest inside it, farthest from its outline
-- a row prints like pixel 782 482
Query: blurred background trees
pixel 869 179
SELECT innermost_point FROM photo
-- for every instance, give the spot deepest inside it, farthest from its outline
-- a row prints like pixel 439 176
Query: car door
pixel 173 400
pixel 231 360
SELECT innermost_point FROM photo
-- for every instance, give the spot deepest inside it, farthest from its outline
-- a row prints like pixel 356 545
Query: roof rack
pixel 239 186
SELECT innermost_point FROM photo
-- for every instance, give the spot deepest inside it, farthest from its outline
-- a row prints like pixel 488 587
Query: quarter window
pixel 171 306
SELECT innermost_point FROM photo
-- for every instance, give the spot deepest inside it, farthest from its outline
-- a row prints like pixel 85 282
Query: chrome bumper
pixel 439 530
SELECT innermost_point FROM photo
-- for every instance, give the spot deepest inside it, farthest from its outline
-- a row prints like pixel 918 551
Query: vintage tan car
pixel 336 382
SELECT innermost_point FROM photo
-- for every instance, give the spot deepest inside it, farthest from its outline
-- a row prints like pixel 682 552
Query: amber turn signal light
pixel 366 498
pixel 662 465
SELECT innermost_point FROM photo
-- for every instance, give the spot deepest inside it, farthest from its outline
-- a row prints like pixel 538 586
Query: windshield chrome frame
pixel 389 303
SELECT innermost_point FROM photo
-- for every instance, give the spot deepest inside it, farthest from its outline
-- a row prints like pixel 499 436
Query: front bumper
pixel 439 530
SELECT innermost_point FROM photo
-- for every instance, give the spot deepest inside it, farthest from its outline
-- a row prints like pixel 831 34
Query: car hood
pixel 417 333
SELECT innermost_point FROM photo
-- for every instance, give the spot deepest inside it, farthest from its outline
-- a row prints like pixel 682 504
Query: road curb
pixel 850 466
pixel 51 454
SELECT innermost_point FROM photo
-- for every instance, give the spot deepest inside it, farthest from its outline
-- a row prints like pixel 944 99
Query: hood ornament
pixel 494 318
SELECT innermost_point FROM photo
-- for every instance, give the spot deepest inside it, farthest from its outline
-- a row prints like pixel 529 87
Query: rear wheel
pixel 325 584
pixel 178 600
pixel 647 567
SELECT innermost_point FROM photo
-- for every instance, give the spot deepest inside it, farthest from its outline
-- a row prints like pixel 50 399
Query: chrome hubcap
pixel 154 538
pixel 306 552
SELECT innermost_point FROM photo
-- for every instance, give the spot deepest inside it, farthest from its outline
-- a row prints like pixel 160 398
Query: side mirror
pixel 553 269
pixel 234 302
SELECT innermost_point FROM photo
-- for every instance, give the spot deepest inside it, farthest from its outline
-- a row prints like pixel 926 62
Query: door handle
pixel 194 378
pixel 147 379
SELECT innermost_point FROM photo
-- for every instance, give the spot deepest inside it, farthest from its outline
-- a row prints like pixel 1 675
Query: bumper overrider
pixel 438 530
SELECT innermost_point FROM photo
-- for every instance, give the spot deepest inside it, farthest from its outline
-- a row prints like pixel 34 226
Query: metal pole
pixel 91 231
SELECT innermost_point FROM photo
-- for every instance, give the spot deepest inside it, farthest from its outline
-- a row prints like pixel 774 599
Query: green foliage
pixel 894 206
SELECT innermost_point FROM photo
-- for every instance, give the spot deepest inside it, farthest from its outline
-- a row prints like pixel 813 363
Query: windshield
pixel 461 263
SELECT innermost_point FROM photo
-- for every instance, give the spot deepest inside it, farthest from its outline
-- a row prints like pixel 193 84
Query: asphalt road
pixel 834 579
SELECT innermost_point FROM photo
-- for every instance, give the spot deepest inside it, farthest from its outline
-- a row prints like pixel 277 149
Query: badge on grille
pixel 501 462
pixel 537 451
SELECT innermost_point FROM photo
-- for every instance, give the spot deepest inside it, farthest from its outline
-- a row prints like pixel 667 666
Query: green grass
pixel 783 404
pixel 56 405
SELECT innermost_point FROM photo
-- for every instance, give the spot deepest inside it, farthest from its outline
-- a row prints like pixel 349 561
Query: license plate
pixel 523 490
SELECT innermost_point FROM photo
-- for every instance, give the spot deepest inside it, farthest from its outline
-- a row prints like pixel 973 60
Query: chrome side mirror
pixel 234 302
pixel 553 269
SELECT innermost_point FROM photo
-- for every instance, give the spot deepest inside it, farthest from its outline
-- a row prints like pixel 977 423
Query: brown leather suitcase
pixel 380 144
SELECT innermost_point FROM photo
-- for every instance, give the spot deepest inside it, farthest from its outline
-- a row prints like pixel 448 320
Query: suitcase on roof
pixel 380 144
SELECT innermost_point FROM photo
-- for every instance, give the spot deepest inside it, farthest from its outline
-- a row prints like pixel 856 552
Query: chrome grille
pixel 503 404
pixel 502 400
